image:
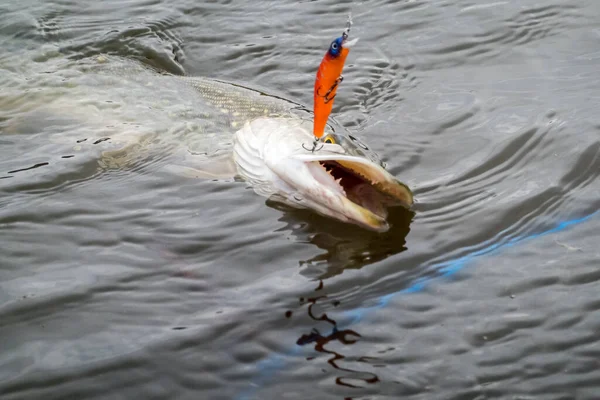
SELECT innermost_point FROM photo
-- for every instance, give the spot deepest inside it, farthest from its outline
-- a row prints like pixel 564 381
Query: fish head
pixel 340 179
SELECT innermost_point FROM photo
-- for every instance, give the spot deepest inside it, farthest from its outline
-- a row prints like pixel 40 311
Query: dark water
pixel 128 283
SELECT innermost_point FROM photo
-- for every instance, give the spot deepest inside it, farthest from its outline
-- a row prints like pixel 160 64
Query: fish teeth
pixel 339 182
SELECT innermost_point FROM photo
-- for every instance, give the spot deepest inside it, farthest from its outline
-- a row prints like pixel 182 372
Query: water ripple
pixel 119 279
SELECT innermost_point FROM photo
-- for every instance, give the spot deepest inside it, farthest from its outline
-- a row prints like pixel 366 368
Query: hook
pixel 314 148
pixel 335 84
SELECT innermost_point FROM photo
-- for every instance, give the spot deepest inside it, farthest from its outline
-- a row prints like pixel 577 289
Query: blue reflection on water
pixel 443 269
pixel 446 269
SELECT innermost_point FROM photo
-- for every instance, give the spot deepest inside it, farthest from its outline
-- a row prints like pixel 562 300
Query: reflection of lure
pixel 329 77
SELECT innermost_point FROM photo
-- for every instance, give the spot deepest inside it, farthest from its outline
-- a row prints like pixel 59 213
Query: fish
pixel 129 115
pixel 329 76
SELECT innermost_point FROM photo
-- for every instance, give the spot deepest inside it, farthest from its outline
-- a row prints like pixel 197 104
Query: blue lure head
pixel 335 48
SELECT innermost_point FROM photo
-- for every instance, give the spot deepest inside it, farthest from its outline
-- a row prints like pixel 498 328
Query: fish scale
pixel 230 103
pixel 238 103
pixel 197 114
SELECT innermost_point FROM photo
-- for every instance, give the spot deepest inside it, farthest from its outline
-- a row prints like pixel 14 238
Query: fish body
pixel 203 128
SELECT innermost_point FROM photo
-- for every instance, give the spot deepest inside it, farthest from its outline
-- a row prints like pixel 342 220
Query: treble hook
pixel 335 84
pixel 314 148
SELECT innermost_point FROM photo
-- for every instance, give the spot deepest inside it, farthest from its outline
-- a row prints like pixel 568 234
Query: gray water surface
pixel 119 280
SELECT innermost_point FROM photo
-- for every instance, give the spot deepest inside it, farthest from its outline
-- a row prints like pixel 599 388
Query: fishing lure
pixel 329 76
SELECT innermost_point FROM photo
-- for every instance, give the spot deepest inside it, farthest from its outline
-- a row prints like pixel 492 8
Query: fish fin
pixel 221 168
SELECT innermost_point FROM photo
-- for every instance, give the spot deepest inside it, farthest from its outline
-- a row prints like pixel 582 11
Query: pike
pixel 203 128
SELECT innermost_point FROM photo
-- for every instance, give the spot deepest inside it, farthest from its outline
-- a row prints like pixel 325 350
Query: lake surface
pixel 120 282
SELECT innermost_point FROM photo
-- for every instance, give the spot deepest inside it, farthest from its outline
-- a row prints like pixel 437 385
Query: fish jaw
pixel 352 189
pixel 355 187
pixel 370 172
pixel 314 188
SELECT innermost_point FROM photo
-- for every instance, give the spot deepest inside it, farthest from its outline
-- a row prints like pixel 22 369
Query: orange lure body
pixel 326 83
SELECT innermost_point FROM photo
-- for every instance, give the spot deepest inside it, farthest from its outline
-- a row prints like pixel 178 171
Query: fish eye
pixel 330 140
pixel 334 46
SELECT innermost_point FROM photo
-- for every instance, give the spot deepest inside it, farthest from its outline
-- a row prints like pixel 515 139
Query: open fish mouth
pixel 336 181
pixel 364 189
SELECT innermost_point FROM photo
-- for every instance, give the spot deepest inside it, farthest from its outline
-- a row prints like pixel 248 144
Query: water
pixel 121 281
